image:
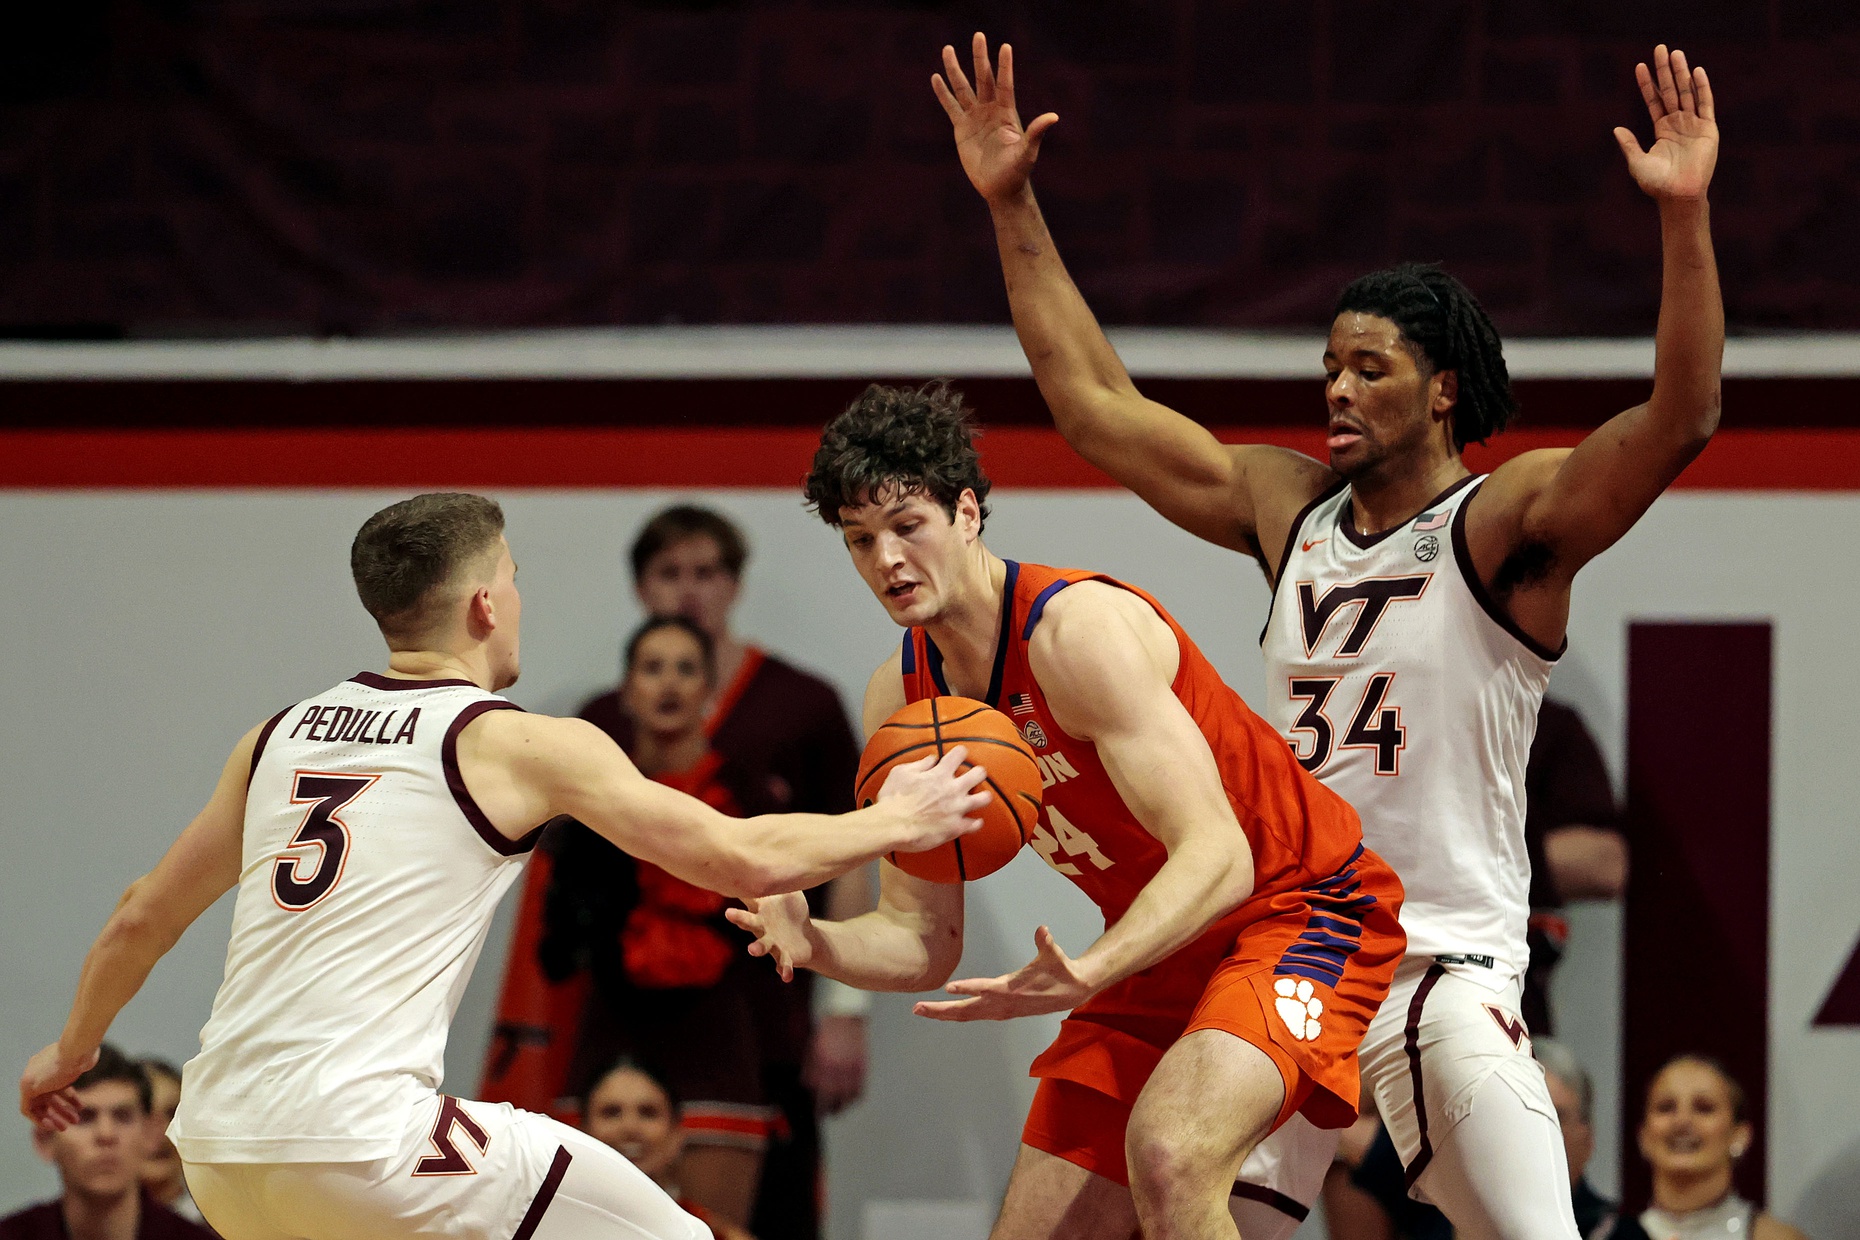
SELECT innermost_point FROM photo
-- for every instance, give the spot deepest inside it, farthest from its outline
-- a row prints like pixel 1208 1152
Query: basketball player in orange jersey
pixel 371 830
pixel 1249 937
pixel 1417 612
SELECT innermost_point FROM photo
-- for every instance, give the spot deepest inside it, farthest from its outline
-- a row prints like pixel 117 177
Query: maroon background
pixel 352 165
pixel 1698 901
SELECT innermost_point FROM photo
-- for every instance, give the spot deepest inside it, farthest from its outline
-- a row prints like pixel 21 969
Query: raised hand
pixel 45 1094
pixel 1679 164
pixel 939 796
pixel 997 151
pixel 1051 982
pixel 783 929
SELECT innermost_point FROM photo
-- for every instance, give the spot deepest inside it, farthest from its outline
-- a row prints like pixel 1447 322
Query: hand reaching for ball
pixel 939 796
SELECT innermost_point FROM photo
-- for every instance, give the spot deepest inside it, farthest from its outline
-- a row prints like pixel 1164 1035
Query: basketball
pixel 932 727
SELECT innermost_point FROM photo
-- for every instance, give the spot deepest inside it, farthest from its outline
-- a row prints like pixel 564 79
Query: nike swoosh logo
pixel 1315 541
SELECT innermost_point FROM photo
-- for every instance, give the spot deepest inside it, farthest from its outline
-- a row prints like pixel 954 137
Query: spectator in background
pixel 161 1170
pixel 1572 832
pixel 765 715
pixel 770 716
pixel 1572 1092
pixel 1692 1134
pixel 631 1108
pixel 673 982
pixel 99 1161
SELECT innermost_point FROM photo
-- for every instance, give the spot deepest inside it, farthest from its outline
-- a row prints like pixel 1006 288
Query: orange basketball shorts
pixel 1301 982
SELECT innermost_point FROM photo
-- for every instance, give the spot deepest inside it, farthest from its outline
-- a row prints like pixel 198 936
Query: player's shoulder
pixel 1089 611
pixel 509 731
pixel 1094 631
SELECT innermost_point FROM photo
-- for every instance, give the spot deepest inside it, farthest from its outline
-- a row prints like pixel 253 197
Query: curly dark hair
pixel 1449 330
pixel 898 439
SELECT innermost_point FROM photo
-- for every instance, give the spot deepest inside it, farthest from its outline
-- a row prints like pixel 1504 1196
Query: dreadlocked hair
pixel 1450 330
pixel 898 440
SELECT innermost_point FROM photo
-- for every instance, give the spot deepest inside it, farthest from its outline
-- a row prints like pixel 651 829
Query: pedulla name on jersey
pixel 353 725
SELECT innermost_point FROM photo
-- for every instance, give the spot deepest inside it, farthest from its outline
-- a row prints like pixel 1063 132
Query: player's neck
pixel 656 753
pixel 1390 494
pixel 441 665
pixel 1687 1194
pixel 969 626
pixel 115 1217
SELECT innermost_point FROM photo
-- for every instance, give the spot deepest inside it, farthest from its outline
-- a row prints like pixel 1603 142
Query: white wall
pixel 145 631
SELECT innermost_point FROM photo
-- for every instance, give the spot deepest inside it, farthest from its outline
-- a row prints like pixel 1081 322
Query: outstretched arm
pixel 1106 662
pixel 1240 497
pixel 201 866
pixel 1578 503
pixel 525 768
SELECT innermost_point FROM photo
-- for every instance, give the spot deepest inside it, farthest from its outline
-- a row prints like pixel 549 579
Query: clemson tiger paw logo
pixel 1299 1007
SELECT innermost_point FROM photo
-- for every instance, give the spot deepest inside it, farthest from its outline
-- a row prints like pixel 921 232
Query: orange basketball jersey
pixel 1301 833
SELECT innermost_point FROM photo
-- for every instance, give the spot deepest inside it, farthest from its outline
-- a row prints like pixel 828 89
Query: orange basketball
pixel 933 727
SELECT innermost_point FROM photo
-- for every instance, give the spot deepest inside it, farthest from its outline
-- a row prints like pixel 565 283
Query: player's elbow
pixel 1233 880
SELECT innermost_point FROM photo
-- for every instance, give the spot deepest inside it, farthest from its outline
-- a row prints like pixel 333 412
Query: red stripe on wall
pixel 1016 456
pixel 1697 923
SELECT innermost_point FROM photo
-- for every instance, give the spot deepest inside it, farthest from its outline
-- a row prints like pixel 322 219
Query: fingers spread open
pixel 984 72
pixel 941 91
pixel 1682 81
pixel 1648 92
pixel 958 84
pixel 1702 88
pixel 1004 75
pixel 1663 73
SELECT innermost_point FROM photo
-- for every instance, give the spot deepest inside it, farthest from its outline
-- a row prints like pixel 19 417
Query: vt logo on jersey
pixel 1371 597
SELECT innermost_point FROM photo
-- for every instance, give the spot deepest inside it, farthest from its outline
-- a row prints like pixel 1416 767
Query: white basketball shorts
pixel 1440 1035
pixel 465 1170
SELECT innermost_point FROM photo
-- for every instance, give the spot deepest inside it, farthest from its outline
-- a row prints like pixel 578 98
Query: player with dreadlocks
pixel 1417 611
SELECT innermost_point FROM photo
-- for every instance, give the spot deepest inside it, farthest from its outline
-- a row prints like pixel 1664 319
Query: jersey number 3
pixel 1375 725
pixel 300 879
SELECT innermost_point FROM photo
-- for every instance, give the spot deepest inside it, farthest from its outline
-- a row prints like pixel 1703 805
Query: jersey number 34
pixel 1376 725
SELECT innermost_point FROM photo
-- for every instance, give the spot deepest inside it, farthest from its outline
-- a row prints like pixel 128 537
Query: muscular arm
pixel 524 769
pixel 1106 662
pixel 1240 497
pixel 1573 504
pixel 200 867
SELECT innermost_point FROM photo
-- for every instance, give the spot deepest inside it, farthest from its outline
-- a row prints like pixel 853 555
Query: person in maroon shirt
pixel 99 1161
pixel 767 715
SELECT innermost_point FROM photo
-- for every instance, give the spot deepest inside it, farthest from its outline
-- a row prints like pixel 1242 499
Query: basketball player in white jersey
pixel 1417 611
pixel 371 830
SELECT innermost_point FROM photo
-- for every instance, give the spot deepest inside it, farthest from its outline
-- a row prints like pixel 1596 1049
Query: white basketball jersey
pixel 1406 689
pixel 368 882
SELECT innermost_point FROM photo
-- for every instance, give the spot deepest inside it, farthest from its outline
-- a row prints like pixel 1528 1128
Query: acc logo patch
pixel 1036 735
pixel 1426 547
pixel 1299 1007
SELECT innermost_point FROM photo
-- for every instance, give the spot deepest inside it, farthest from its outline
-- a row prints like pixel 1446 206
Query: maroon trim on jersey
pixel 1462 555
pixel 1412 1044
pixel 375 680
pixel 449 758
pixel 1291 540
pixel 539 1205
pixel 1291 1207
pixel 1364 542
pixel 258 746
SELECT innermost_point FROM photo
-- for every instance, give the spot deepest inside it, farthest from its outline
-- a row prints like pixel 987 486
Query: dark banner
pixel 335 166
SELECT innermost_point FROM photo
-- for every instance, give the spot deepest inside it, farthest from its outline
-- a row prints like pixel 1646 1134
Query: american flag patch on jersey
pixel 1020 704
pixel 1431 521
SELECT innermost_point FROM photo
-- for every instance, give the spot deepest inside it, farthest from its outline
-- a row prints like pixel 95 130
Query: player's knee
pixel 1165 1161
